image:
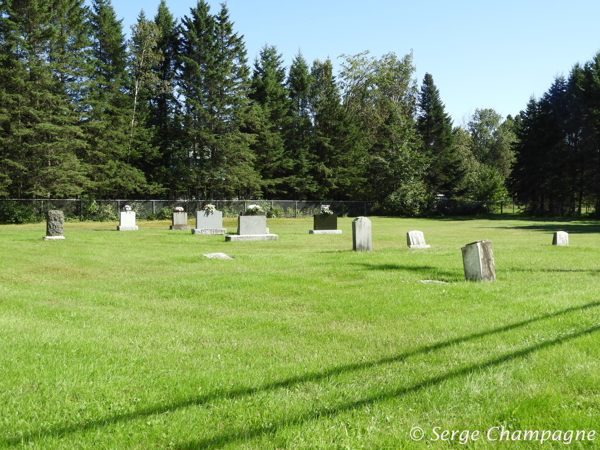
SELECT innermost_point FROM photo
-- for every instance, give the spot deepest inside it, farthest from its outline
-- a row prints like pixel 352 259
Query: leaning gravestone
pixel 127 221
pixel 416 239
pixel 478 261
pixel 361 235
pixel 560 238
pixel 179 221
pixel 209 222
pixel 252 228
pixel 55 225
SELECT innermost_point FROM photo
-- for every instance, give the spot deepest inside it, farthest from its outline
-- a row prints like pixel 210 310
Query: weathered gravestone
pixel 55 225
pixel 209 222
pixel 325 224
pixel 179 221
pixel 361 235
pixel 478 261
pixel 416 239
pixel 127 221
pixel 560 238
pixel 252 228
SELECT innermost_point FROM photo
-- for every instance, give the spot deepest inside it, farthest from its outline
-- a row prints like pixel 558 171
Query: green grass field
pixel 134 340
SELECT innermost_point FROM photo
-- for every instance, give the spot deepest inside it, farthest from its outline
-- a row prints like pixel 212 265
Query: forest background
pixel 177 111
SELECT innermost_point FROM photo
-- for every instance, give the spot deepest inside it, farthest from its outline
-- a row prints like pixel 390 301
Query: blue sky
pixel 482 54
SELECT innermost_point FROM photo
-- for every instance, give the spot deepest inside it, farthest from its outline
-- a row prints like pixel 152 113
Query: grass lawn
pixel 134 340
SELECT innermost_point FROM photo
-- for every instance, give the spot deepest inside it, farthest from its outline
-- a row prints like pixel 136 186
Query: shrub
pixel 19 212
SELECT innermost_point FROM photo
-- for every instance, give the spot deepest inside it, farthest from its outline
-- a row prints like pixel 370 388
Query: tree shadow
pixel 61 431
pixel 246 434
pixel 423 270
pixel 578 228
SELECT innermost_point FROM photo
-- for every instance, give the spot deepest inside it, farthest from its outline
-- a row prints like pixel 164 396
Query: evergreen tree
pixel 40 135
pixel 214 83
pixel 337 161
pixel 269 94
pixel 112 154
pixel 299 134
pixel 164 107
pixel 435 130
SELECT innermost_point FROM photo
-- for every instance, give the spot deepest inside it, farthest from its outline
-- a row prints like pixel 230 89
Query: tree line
pixel 176 111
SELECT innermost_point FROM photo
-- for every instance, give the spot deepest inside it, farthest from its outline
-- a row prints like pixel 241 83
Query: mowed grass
pixel 135 340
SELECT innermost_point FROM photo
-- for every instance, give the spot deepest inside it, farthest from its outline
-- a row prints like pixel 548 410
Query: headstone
pixel 478 261
pixel 560 238
pixel 416 239
pixel 55 225
pixel 361 235
pixel 127 221
pixel 209 222
pixel 252 228
pixel 218 256
pixel 252 225
pixel 179 221
pixel 325 224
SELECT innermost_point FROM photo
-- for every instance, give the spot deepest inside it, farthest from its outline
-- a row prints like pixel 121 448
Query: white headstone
pixel 209 222
pixel 127 221
pixel 362 235
pixel 416 239
pixel 179 221
pixel 560 238
pixel 478 261
pixel 252 225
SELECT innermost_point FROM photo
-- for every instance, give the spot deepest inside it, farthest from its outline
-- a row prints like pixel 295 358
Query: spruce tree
pixel 40 135
pixel 299 133
pixel 164 107
pixel 269 95
pixel 434 127
pixel 214 82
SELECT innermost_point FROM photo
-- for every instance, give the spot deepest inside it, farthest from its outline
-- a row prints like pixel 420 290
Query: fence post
pixel 118 208
pixel 295 209
pixel 501 207
pixel 153 207
pixel 365 207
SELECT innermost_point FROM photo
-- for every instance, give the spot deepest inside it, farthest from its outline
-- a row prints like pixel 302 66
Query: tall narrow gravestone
pixel 55 225
pixel 560 238
pixel 478 261
pixel 127 221
pixel 209 222
pixel 362 240
pixel 179 221
pixel 416 239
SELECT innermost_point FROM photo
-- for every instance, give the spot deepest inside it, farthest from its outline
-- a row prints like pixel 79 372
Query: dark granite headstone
pixel 325 222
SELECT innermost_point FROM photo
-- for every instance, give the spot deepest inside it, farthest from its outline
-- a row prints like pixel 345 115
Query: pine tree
pixel 434 127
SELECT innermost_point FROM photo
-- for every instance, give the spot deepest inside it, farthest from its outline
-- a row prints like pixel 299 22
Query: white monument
pixel 361 235
pixel 416 239
pixel 560 238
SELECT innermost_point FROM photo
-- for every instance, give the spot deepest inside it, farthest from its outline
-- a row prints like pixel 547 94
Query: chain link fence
pixel 33 210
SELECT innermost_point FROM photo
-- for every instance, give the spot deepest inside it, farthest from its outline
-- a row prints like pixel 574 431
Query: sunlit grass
pixel 135 340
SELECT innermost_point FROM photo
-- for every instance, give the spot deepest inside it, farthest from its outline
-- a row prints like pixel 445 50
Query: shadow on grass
pixel 247 434
pixel 425 271
pixel 224 438
pixel 579 228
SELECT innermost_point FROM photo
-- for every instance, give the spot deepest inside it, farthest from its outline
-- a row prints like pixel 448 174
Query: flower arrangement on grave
pixel 127 208
pixel 178 209
pixel 253 210
pixel 209 208
pixel 325 210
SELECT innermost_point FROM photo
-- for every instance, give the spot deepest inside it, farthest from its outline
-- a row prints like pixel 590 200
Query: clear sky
pixel 481 53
